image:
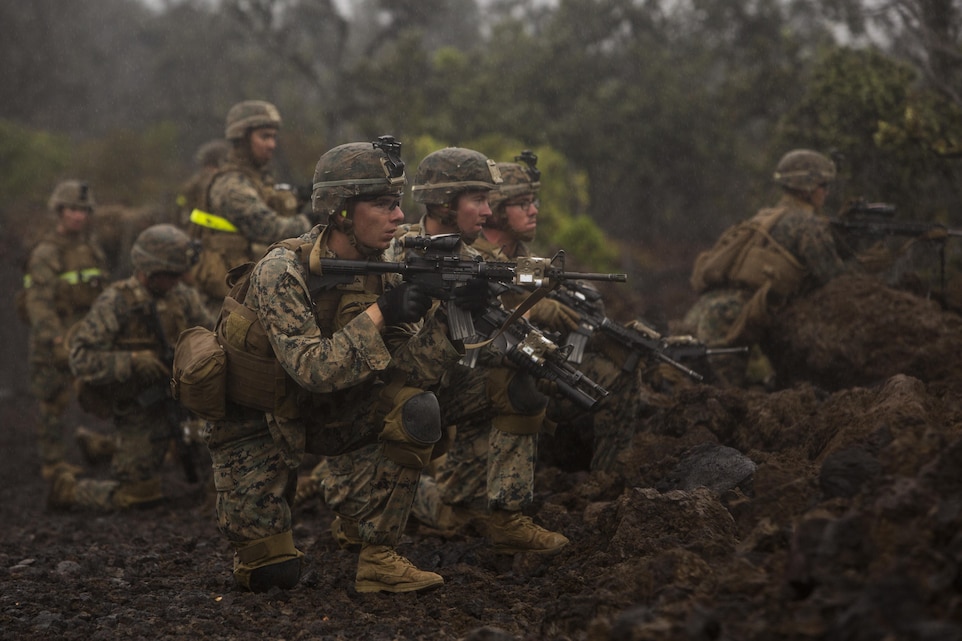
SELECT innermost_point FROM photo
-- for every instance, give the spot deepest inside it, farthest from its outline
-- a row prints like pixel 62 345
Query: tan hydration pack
pixel 748 257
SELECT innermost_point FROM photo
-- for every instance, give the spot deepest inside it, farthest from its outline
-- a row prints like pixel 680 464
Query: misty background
pixel 657 122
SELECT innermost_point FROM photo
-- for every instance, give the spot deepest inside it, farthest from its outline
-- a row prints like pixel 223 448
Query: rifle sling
pixel 528 302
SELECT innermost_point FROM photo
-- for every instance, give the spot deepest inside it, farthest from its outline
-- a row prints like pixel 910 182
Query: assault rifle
pixel 875 220
pixel 436 263
pixel 587 302
pixel 531 351
pixel 174 412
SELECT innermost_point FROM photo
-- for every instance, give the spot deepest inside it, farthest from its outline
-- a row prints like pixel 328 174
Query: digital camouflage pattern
pixel 65 273
pixel 343 374
pixel 806 236
pixel 101 353
pixel 445 173
pixel 804 170
pixel 485 467
pixel 250 114
pixel 245 197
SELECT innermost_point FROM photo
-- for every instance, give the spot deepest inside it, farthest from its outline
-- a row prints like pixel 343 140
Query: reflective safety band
pixel 211 221
pixel 75 277
pixel 81 275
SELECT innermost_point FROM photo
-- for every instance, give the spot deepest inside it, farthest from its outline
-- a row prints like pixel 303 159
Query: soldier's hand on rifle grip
pixel 473 296
pixel 406 303
pixel 147 368
pixel 554 316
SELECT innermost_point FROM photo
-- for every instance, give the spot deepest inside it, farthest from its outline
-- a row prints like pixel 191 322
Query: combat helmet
pixel 71 193
pixel 163 248
pixel 250 114
pixel 446 173
pixel 804 170
pixel 518 179
pixel 356 170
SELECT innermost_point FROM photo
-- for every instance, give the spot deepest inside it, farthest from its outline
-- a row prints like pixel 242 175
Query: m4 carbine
pixel 636 340
pixel 436 263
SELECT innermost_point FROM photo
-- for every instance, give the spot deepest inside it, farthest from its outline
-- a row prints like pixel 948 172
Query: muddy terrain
pixel 830 509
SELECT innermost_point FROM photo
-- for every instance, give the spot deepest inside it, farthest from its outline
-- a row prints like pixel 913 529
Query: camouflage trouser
pixel 143 438
pixel 52 385
pixel 255 485
pixel 710 318
pixel 487 467
pixel 361 480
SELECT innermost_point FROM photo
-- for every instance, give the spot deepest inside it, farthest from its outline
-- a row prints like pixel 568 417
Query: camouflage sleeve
pixel 237 199
pixel 44 269
pixel 319 364
pixel 93 354
pixel 427 354
pixel 194 309
pixel 814 246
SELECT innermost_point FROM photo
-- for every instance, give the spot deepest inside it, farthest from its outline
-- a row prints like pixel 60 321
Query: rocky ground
pixel 828 509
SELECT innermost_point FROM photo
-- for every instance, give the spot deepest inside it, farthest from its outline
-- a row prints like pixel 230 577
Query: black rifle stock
pixel 436 263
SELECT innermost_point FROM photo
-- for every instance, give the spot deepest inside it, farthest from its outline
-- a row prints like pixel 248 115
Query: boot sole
pixel 503 549
pixel 377 586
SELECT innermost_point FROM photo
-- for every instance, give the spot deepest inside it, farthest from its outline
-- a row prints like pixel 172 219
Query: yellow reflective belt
pixel 211 221
pixel 81 275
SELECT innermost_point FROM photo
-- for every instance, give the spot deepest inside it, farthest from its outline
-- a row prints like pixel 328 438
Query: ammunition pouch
pixel 255 377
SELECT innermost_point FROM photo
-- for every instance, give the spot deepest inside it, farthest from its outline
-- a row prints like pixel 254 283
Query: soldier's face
pixel 376 221
pixel 263 143
pixel 473 211
pixel 160 283
pixel 522 216
pixel 74 219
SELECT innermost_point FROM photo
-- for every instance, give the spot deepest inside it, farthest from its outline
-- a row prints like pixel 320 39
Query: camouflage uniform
pixel 731 313
pixel 243 211
pixel 604 361
pixel 358 398
pixel 65 273
pixel 121 327
pixel 193 194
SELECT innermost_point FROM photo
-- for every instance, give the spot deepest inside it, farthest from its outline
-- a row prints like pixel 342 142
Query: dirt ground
pixel 829 509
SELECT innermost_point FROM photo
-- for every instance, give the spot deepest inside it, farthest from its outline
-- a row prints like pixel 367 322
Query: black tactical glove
pixel 406 303
pixel 473 296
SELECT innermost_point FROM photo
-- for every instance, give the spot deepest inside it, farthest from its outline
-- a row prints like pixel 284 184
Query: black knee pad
pixel 421 418
pixel 283 575
pixel 524 395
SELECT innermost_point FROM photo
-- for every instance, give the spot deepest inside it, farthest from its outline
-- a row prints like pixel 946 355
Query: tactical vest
pixel 255 378
pixel 83 275
pixel 224 247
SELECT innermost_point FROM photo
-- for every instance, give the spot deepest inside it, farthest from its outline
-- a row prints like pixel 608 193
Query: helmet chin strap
pixel 367 252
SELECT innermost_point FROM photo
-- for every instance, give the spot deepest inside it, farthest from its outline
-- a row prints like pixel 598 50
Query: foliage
pixel 860 104
pixel 33 161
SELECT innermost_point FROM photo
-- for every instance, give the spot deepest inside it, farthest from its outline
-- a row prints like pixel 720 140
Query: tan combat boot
pixel 63 490
pixel 513 532
pixel 381 569
pixel 96 448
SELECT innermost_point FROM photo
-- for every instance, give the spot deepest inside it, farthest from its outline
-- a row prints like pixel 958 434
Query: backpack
pixel 747 255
